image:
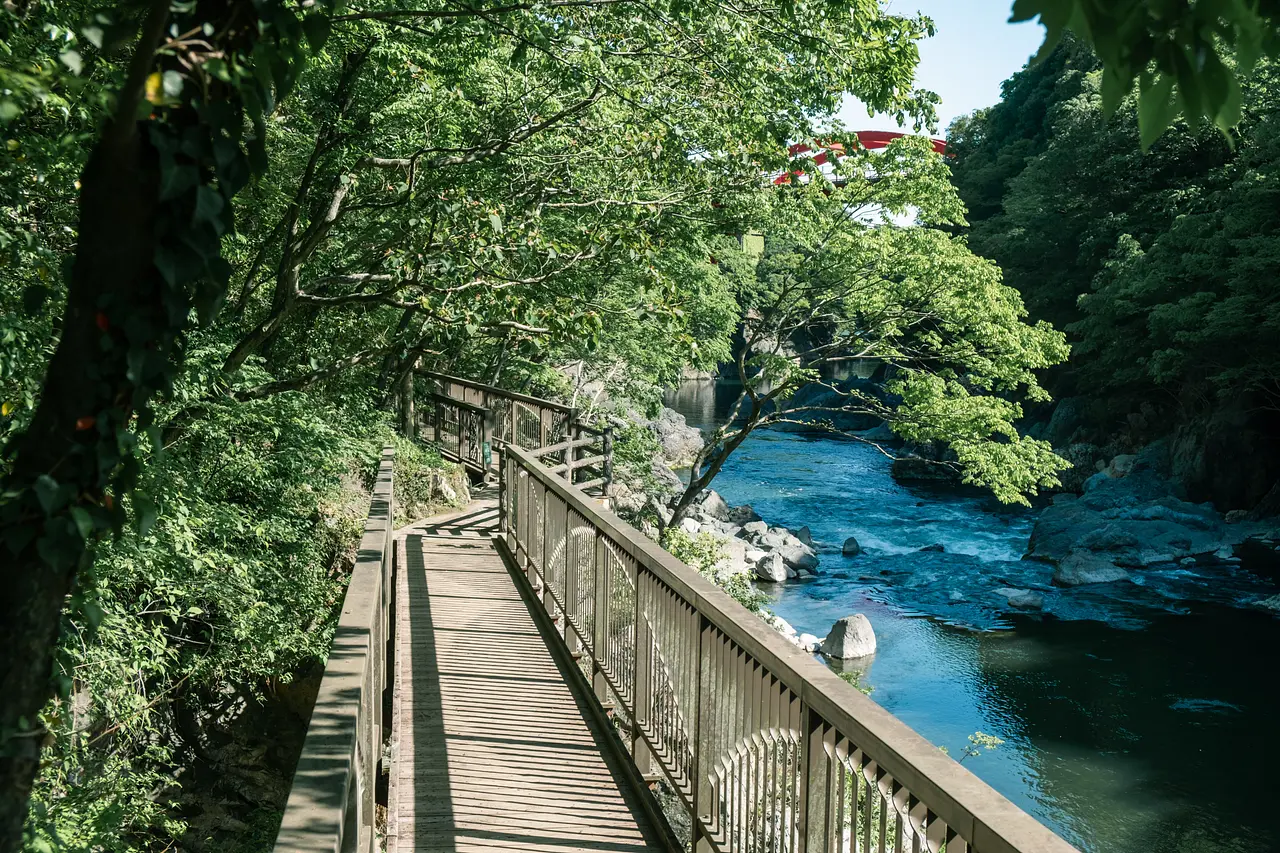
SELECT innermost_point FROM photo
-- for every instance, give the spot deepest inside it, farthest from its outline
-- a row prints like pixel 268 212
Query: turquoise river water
pixel 1137 718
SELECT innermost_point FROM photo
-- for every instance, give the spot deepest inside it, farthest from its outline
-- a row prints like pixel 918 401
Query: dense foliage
pixel 229 232
pixel 491 192
pixel 1185 57
pixel 1159 265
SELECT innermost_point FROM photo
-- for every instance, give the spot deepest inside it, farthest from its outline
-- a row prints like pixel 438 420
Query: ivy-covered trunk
pixel 155 201
pixel 63 464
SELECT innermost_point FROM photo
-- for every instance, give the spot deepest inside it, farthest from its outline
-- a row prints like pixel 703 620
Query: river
pixel 1136 718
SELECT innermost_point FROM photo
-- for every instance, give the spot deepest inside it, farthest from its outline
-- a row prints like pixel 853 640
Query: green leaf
pixel 92 613
pixel 316 28
pixel 176 179
pixel 48 492
pixel 83 521
pixel 73 61
pixel 209 205
pixel 1156 108
pixel 147 513
pixel 172 83
pixel 495 222
pixel 1114 87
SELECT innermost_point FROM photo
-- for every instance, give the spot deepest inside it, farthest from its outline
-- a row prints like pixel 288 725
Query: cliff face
pixel 1228 456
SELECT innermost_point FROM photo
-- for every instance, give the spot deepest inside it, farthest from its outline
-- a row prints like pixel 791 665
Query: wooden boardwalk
pixel 494 751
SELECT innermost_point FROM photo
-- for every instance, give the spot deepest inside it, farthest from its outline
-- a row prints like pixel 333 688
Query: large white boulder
pixel 771 568
pixel 850 637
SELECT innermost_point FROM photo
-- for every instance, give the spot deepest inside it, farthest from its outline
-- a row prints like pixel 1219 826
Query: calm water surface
pixel 1137 718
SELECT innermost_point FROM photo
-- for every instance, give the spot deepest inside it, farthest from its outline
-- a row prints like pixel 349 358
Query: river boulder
pixel 1068 416
pixel 1272 604
pixel 742 515
pixel 851 548
pixel 850 637
pixel 912 468
pixel 680 442
pixel 804 534
pixel 714 505
pixel 771 568
pixel 754 529
pixel 1022 599
pixel 1086 567
pixel 819 406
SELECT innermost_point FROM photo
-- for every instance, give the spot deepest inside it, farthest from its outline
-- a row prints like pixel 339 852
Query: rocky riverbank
pixel 1129 519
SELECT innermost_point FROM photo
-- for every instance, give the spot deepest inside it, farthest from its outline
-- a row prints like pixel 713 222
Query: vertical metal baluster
pixel 642 679
pixel 884 810
pixel 700 713
pixel 601 641
pixel 872 803
pixel 842 791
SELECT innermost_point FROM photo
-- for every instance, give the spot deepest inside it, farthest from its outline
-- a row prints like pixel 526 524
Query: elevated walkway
pixel 493 749
pixel 512 676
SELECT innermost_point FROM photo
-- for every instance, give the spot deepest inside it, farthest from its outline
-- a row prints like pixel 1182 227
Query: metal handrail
pixel 493 389
pixel 767 750
pixel 510 418
pixel 331 802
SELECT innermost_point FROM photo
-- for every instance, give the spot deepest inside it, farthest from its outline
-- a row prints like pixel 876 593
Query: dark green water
pixel 1136 717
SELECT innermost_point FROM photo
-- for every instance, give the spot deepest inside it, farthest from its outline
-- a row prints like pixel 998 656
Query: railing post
pixel 607 452
pixel 502 496
pixel 813 801
pixel 438 406
pixel 600 640
pixel 463 445
pixel 641 682
pixel 486 446
pixel 702 755
pixel 571 452
pixel 571 567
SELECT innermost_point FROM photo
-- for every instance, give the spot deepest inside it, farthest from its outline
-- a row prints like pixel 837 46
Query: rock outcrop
pixel 1129 518
pixel 679 443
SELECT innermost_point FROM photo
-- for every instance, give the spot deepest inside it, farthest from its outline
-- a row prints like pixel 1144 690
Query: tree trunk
pixel 408 417
pixel 87 396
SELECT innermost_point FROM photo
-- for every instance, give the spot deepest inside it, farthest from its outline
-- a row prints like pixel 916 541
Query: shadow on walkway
pixel 496 753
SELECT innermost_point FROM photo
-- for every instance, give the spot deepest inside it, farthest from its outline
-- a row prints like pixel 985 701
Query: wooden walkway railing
pixel 331 805
pixel 467 420
pixel 766 749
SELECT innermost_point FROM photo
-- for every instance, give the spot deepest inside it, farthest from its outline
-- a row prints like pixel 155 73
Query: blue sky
pixel 975 49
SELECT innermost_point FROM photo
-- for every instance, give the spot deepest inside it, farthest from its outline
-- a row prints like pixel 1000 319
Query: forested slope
pixel 1161 266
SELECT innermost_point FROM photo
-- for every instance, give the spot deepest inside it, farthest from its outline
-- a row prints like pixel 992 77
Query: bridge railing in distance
pixel 459 429
pixel 765 749
pixel 331 804
pixel 578 452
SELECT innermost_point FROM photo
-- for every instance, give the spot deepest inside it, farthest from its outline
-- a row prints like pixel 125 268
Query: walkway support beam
pixel 766 749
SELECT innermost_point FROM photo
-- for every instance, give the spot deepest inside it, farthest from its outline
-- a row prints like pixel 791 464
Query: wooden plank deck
pixel 494 752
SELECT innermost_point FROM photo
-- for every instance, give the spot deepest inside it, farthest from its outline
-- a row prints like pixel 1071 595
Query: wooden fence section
pixel 766 749
pixel 468 420
pixel 331 804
